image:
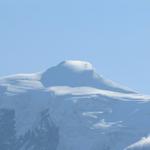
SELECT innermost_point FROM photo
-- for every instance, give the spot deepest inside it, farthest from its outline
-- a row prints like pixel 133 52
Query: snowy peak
pixel 69 73
pixel 77 73
pixel 72 73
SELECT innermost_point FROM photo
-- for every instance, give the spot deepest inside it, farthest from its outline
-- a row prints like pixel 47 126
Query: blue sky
pixel 114 35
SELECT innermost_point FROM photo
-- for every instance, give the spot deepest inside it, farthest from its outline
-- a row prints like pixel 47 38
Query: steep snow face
pixel 78 73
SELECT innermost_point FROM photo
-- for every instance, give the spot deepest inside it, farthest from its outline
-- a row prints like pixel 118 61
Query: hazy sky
pixel 114 35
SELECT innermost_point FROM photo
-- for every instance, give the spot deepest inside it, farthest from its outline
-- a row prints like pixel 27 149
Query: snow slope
pixel 143 144
pixel 71 107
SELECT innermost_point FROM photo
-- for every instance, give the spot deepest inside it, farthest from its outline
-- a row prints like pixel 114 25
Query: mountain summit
pixel 76 65
pixel 71 107
pixel 77 73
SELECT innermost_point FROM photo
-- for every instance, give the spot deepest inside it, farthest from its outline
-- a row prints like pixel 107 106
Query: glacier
pixel 71 107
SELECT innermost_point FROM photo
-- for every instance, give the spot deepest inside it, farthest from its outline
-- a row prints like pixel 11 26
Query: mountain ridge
pixel 67 73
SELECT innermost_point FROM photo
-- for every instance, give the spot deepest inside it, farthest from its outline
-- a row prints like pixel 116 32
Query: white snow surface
pixel 143 144
pixel 20 83
pixel 88 117
pixel 65 90
pixel 77 65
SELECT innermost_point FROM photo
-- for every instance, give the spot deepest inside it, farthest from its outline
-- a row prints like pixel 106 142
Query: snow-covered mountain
pixel 71 107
